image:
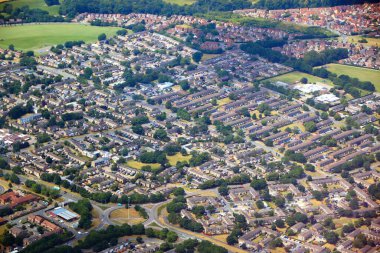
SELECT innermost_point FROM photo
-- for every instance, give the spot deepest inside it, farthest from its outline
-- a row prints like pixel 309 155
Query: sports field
pixel 363 74
pixel 33 4
pixel 33 37
pixel 180 2
pixel 295 76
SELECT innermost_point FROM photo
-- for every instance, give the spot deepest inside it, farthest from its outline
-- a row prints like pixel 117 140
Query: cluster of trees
pixel 137 123
pixel 294 156
pixel 164 234
pixel 357 162
pixel 345 82
pixel 12 177
pixel 240 226
pixel 48 243
pixel 72 116
pixel 20 110
pixel 174 208
pixel 42 189
pixel 52 2
pixel 286 4
pixel 289 93
pixel 199 158
pixel 29 15
pixel 374 190
pixel 141 210
pixel 72 7
pixel 235 180
pixel 191 245
pixel 154 157
pixel 84 208
pixel 98 240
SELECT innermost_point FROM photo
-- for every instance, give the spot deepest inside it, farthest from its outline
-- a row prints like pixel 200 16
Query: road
pixel 186 234
pixel 56 71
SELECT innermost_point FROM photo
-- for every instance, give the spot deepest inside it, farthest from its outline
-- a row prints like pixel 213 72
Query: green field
pixel 33 37
pixel 363 74
pixel 138 165
pixel 178 158
pixel 355 39
pixel 295 76
pixel 33 4
pixel 180 2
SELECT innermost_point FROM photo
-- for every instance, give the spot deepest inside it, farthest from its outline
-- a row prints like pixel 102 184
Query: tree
pixel 87 72
pixel 280 223
pixel 310 126
pixel 161 134
pixel 197 56
pixel 331 237
pixel 259 184
pixel 304 80
pixel 102 36
pixel 223 190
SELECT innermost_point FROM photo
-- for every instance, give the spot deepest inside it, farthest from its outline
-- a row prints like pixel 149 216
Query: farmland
pixel 33 4
pixel 33 37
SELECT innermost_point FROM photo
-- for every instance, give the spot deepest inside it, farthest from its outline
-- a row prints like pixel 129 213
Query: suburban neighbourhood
pixel 192 133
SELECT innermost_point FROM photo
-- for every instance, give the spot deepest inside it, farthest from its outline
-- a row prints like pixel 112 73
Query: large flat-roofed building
pixel 64 214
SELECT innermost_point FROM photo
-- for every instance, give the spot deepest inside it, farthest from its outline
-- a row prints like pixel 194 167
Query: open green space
pixel 33 37
pixel 138 165
pixel 355 39
pixel 363 74
pixel 180 2
pixel 178 158
pixel 295 76
pixel 33 4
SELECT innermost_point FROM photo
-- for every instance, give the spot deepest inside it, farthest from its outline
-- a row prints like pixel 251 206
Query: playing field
pixel 33 4
pixel 295 76
pixel 33 37
pixel 180 2
pixel 363 74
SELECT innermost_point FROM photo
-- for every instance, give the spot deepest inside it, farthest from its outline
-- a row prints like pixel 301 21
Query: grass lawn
pixel 209 56
pixel 33 4
pixel 363 74
pixel 95 218
pixel 222 238
pixel 224 101
pixel 343 221
pixel 120 216
pixel 3 228
pixel 33 37
pixel 138 165
pixel 180 2
pixel 178 158
pixel 295 76
pixel 370 41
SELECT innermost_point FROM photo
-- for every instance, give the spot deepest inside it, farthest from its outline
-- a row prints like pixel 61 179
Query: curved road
pixel 186 234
